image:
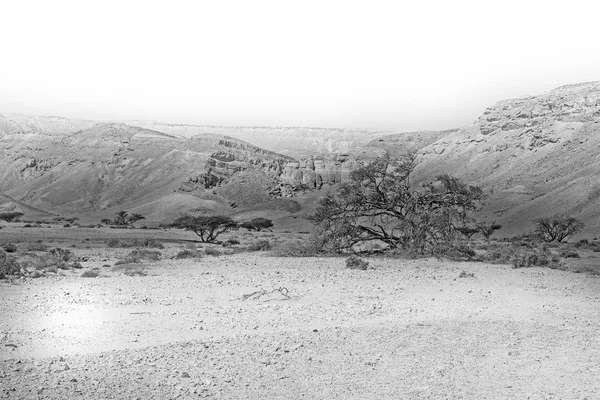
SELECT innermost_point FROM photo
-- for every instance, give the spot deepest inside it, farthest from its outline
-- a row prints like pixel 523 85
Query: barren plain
pixel 254 326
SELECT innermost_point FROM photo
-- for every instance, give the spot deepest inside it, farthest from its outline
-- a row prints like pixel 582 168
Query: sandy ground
pixel 402 330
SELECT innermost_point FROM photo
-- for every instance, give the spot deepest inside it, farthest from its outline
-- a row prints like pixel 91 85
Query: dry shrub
pixel 37 247
pixel 149 243
pixel 212 252
pixel 10 248
pixel 188 254
pixel 538 257
pixel 569 254
pixel 8 265
pixel 140 255
pixel 355 262
pixel 91 274
pixel 260 245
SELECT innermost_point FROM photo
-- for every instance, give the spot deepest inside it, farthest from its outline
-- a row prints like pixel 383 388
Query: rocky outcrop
pixel 318 171
pixel 535 114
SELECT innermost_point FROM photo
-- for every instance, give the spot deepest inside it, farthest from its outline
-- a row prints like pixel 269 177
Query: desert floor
pixel 403 329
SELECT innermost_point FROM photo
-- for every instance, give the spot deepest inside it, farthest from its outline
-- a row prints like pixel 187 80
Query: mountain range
pixel 535 156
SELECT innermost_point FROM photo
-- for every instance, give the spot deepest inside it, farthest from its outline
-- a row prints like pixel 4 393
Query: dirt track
pixel 403 330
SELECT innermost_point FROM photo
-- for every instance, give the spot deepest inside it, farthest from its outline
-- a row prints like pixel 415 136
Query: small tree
pixel 467 231
pixel 487 229
pixel 122 218
pixel 557 227
pixel 207 227
pixel 257 224
pixel 10 216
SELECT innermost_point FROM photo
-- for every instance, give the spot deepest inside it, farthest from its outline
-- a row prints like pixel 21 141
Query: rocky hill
pixel 536 155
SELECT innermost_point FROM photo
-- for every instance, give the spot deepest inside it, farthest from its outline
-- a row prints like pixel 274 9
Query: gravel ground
pixel 401 330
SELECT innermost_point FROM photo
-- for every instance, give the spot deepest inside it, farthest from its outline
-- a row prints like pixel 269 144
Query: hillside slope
pixel 537 155
pixel 99 168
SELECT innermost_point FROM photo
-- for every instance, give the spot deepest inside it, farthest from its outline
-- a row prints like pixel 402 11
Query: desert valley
pixel 109 290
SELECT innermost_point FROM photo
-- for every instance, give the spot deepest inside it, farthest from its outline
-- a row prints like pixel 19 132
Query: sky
pixel 388 65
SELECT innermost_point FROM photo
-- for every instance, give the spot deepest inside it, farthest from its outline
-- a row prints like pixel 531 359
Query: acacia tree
pixel 257 224
pixel 380 203
pixel 10 216
pixel 487 229
pixel 207 227
pixel 122 218
pixel 557 227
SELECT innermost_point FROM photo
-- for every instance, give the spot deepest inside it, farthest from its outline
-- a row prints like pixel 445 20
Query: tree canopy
pixel 380 203
pixel 207 227
pixel 257 224
pixel 557 227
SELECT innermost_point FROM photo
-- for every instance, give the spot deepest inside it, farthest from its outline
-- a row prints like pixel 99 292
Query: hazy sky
pixel 401 65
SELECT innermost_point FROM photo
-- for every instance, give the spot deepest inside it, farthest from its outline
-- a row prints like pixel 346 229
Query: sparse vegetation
pixel 207 227
pixel 150 243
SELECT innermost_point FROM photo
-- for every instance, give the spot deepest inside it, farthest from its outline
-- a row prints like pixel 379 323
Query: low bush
pixel 355 262
pixel 213 252
pixel 188 254
pixel 538 257
pixel 8 265
pixel 260 245
pixel 10 248
pixel 37 247
pixel 90 274
pixel 465 274
pixel 569 254
pixel 150 243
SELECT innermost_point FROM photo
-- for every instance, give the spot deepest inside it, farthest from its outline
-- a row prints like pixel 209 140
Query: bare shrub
pixel 355 262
